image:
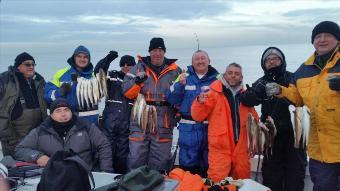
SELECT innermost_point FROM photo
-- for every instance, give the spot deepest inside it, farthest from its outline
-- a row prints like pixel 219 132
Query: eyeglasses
pixel 29 65
pixel 267 60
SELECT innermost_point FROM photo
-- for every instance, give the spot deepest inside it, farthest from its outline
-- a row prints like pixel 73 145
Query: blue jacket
pixel 184 95
pixel 52 89
pixel 192 136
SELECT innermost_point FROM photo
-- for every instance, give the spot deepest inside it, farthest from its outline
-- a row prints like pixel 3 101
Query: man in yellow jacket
pixel 316 84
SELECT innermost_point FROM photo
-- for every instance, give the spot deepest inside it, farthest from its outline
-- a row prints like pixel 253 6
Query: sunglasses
pixel 29 65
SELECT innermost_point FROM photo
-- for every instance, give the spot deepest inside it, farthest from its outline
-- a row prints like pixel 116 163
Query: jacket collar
pixel 335 55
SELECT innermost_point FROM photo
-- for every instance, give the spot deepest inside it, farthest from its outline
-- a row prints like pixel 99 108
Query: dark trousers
pixel 285 169
pixel 325 176
pixel 117 131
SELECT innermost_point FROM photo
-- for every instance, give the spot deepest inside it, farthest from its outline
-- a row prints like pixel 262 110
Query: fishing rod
pixel 197 40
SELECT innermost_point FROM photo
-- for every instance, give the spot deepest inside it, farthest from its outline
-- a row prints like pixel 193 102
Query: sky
pixel 43 27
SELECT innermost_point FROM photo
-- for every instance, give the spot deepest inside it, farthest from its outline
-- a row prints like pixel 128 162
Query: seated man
pixel 63 130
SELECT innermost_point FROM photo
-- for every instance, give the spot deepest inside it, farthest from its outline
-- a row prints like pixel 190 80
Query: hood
pixel 276 72
pixel 87 70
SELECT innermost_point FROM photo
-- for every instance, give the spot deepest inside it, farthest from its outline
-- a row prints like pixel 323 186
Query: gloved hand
pixel 140 77
pixel 65 88
pixel 334 83
pixel 112 55
pixel 272 89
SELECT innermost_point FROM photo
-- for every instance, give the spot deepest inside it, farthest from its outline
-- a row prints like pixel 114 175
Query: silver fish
pixel 298 126
pixel 90 92
pixel 103 81
pixel 78 88
pixel 95 90
pixel 305 125
pixel 85 94
pixel 101 94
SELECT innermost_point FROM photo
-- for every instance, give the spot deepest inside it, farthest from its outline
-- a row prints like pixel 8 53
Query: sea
pixel 49 60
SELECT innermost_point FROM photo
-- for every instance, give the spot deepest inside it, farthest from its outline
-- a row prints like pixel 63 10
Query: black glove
pixel 250 98
pixel 141 77
pixel 334 83
pixel 112 55
pixel 65 88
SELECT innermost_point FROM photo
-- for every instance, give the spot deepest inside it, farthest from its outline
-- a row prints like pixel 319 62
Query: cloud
pixel 31 19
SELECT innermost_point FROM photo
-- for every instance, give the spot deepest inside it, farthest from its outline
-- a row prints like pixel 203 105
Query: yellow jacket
pixel 310 88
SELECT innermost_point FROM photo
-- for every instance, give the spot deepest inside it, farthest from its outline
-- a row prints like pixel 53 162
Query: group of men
pixel 213 109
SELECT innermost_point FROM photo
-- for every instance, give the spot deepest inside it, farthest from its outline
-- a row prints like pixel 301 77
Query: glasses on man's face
pixel 269 59
pixel 29 65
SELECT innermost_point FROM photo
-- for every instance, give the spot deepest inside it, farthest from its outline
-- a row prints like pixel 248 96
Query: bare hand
pixel 183 77
pixel 202 97
pixel 42 161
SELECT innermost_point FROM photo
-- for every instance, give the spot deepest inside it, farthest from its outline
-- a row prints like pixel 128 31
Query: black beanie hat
pixel 59 102
pixel 22 58
pixel 127 59
pixel 157 43
pixel 326 27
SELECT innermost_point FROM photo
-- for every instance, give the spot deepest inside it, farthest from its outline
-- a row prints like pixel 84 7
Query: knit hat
pixel 326 27
pixel 157 43
pixel 271 51
pixel 127 59
pixel 59 102
pixel 21 58
pixel 82 49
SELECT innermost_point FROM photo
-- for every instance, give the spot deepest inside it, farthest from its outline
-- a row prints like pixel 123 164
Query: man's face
pixel 126 68
pixel 62 114
pixel 272 61
pixel 82 60
pixel 200 62
pixel 233 76
pixel 157 56
pixel 324 43
pixel 27 68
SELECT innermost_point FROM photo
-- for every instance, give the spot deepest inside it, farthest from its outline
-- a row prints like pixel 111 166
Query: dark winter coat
pixel 83 138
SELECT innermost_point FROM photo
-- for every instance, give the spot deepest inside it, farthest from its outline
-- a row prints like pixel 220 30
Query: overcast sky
pixel 56 25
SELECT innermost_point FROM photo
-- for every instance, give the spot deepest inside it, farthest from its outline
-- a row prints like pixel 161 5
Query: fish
pixel 85 94
pixel 103 81
pixel 145 118
pixel 305 125
pixel 78 88
pixel 253 134
pixel 272 131
pixel 300 117
pixel 90 92
pixel 99 86
pixel 152 118
pixel 138 107
pixel 298 126
pixel 95 90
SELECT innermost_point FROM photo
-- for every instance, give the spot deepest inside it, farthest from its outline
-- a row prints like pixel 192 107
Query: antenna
pixel 198 41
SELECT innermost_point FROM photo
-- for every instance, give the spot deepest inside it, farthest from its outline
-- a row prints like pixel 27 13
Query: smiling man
pixel 193 141
pixel 316 84
pixel 22 106
pixel 152 76
pixel 64 83
pixel 227 135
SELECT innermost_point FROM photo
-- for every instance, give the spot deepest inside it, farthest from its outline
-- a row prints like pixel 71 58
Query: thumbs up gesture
pixel 183 77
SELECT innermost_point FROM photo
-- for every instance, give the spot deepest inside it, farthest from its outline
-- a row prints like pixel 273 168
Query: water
pixel 50 58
